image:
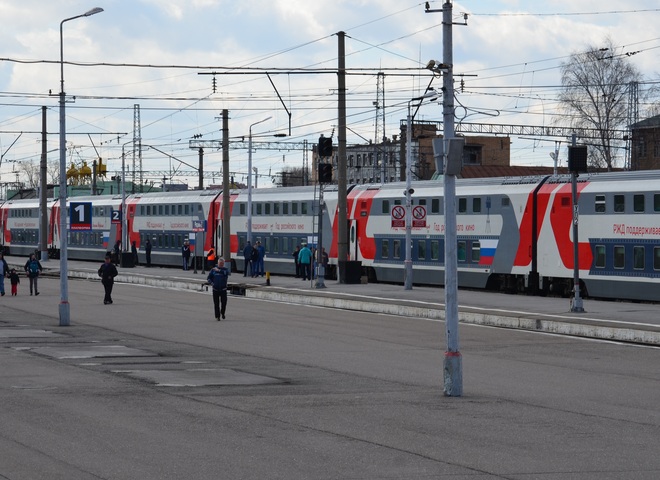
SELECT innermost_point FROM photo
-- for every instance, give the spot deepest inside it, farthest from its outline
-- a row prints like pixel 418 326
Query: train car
pixel 19 220
pixel 487 227
pixel 618 235
pixel 168 219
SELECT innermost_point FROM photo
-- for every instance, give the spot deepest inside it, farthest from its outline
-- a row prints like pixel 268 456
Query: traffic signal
pixel 577 159
pixel 325 172
pixel 325 147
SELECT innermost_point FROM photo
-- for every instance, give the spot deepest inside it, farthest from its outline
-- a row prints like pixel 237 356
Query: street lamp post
pixel 249 199
pixel 64 307
pixel 408 270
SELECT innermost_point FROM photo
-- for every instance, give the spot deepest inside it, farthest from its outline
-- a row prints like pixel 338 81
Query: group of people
pixel 305 260
pixel 115 255
pixel 254 259
pixel 32 270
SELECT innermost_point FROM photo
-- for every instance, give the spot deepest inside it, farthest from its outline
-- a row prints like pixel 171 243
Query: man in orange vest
pixel 210 258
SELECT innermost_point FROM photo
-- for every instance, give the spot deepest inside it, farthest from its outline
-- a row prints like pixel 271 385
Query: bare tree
pixel 30 172
pixel 595 95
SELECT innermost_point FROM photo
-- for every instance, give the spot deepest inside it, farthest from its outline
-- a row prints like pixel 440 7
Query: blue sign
pixel 198 225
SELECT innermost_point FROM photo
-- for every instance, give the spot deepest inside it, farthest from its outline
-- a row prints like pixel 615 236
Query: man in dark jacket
pixel 147 252
pixel 247 258
pixel 218 277
pixel 4 271
pixel 108 272
pixel 33 269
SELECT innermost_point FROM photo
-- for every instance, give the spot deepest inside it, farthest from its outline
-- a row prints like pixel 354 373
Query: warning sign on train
pixel 419 216
pixel 398 216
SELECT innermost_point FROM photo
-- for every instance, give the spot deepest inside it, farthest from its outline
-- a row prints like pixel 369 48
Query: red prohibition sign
pixel 398 212
pixel 419 212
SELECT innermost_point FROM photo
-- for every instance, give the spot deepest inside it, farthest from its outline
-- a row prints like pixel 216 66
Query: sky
pixel 159 55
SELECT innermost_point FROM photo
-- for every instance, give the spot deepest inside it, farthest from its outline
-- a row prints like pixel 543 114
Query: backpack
pixel 33 268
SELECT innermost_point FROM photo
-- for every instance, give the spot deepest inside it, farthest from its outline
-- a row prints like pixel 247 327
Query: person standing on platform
pixel 33 269
pixel 185 254
pixel 117 252
pixel 14 279
pixel 261 250
pixel 247 256
pixel 295 260
pixel 210 259
pixel 305 260
pixel 218 277
pixel 147 252
pixel 135 254
pixel 254 261
pixel 108 272
pixel 4 271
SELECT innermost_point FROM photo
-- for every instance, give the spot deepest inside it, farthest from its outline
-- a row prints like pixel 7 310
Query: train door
pixel 352 240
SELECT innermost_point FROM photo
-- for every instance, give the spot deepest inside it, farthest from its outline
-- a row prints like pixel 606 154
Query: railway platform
pixel 634 322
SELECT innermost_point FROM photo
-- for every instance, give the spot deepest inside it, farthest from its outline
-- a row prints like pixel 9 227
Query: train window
pixel 285 245
pixel 476 251
pixel 396 248
pixel 638 203
pixel 303 208
pixel 294 208
pixel 276 244
pixel 461 251
pixel 619 204
pixel 600 204
pixel 385 249
pixel 160 240
pixel 386 207
pixel 422 201
pixel 435 250
pixel 160 210
pixel 476 205
pixel 421 249
pixel 267 208
pixel 179 209
pixel 656 202
pixel 397 202
pixel 167 209
pixel 462 205
pixel 656 258
pixel 258 208
pixel 186 210
pixel 600 256
pixel 241 209
pixel 619 257
pixel 285 208
pixel 506 201
pixel 565 201
pixel 638 258
pixel 276 208
pixel 435 205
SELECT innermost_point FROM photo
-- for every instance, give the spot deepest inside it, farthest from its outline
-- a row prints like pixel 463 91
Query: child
pixel 15 280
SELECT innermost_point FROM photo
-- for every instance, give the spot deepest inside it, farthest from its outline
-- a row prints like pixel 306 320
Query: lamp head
pixel 93 11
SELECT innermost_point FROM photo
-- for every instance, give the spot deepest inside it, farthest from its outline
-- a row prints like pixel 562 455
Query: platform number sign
pixel 115 216
pixel 81 215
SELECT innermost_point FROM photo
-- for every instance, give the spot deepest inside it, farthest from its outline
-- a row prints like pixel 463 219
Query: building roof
pixel 482 171
pixel 647 123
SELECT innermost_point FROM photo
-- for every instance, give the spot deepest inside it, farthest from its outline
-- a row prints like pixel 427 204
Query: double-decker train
pixel 513 234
